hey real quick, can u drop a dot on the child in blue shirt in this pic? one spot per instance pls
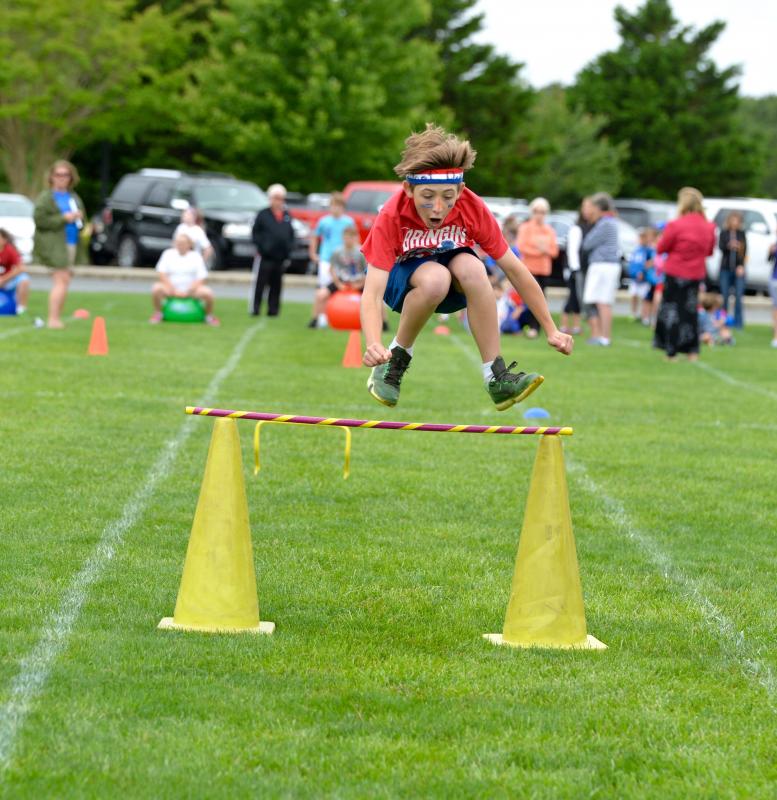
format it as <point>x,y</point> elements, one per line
<point>642,273</point>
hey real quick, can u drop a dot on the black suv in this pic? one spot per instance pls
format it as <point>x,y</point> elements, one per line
<point>145,207</point>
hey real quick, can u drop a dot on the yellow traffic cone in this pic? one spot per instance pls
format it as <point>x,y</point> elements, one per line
<point>546,599</point>
<point>218,587</point>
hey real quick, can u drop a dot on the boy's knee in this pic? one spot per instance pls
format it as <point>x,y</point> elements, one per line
<point>435,285</point>
<point>469,271</point>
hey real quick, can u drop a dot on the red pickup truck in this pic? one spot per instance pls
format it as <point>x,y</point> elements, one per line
<point>363,200</point>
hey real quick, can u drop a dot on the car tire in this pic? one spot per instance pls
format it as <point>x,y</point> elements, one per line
<point>128,252</point>
<point>218,260</point>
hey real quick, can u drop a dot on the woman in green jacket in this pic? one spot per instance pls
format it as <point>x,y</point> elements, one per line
<point>59,217</point>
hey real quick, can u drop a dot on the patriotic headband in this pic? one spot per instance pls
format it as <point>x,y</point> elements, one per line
<point>436,176</point>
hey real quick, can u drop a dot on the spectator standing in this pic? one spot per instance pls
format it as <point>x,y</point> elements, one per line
<point>590,314</point>
<point>13,278</point>
<point>575,276</point>
<point>686,241</point>
<point>327,238</point>
<point>733,256</point>
<point>538,247</point>
<point>273,236</point>
<point>59,217</point>
<point>193,225</point>
<point>602,247</point>
<point>773,293</point>
<point>182,273</point>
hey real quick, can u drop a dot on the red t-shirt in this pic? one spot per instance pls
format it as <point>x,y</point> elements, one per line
<point>687,241</point>
<point>9,258</point>
<point>399,233</point>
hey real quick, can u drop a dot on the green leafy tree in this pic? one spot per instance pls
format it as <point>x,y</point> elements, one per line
<point>68,65</point>
<point>568,156</point>
<point>310,92</point>
<point>145,129</point>
<point>663,96</point>
<point>485,93</point>
<point>759,115</point>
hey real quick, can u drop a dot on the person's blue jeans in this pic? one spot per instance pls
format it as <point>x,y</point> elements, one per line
<point>729,281</point>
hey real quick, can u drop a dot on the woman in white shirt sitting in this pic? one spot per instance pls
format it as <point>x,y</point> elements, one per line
<point>182,273</point>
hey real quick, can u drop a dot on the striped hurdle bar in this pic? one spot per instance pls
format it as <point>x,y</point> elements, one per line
<point>373,424</point>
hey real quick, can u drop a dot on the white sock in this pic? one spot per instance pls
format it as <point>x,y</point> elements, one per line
<point>21,309</point>
<point>487,373</point>
<point>395,343</point>
<point>322,321</point>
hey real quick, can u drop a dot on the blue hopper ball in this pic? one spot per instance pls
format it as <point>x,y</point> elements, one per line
<point>536,413</point>
<point>7,302</point>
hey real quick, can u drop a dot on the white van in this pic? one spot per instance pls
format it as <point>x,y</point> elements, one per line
<point>760,224</point>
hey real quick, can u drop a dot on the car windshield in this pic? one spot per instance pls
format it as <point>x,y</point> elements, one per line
<point>368,200</point>
<point>644,217</point>
<point>231,196</point>
<point>559,225</point>
<point>15,207</point>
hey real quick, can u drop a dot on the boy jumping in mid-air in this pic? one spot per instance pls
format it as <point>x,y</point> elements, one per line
<point>420,260</point>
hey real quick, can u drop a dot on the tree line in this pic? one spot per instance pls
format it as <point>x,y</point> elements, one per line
<point>318,92</point>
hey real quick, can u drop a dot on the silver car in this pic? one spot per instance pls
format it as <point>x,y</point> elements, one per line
<point>16,217</point>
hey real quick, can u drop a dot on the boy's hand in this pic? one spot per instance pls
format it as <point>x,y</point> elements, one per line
<point>376,354</point>
<point>562,342</point>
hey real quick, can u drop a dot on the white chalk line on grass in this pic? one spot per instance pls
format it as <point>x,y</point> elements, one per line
<point>720,625</point>
<point>35,668</point>
<point>724,376</point>
<point>716,621</point>
<point>15,331</point>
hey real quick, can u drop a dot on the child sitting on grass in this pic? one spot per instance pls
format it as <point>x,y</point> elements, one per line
<point>347,271</point>
<point>421,259</point>
<point>511,311</point>
<point>712,321</point>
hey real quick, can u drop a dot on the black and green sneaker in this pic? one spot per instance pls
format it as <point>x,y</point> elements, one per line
<point>384,380</point>
<point>507,388</point>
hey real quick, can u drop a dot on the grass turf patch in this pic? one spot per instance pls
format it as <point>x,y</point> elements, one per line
<point>376,682</point>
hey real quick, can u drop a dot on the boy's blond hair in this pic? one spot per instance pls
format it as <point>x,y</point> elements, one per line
<point>434,148</point>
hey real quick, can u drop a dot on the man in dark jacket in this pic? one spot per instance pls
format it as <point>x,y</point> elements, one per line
<point>273,236</point>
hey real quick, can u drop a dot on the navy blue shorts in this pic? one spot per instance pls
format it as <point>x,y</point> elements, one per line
<point>399,281</point>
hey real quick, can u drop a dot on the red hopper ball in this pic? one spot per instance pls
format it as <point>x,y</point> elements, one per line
<point>342,311</point>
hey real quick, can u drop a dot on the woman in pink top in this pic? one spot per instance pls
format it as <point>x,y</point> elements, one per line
<point>538,247</point>
<point>687,241</point>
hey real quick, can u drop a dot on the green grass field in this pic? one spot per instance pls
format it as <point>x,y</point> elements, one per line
<point>377,682</point>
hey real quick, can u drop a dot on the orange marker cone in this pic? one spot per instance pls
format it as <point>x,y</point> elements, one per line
<point>98,344</point>
<point>353,350</point>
